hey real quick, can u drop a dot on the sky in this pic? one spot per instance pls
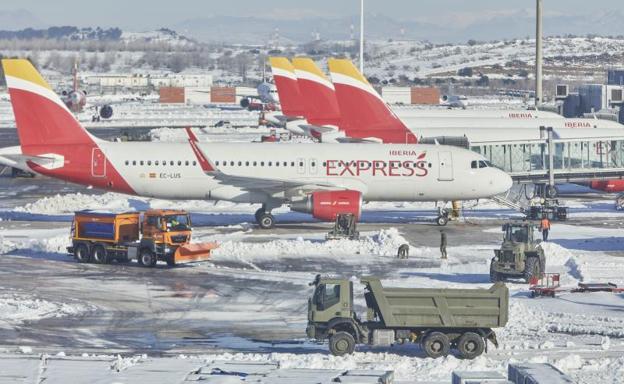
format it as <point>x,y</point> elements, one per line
<point>149,14</point>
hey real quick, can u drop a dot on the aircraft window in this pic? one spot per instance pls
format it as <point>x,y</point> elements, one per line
<point>255,163</point>
<point>240,163</point>
<point>277,163</point>
<point>141,162</point>
<point>127,162</point>
<point>262,163</point>
<point>324,164</point>
<point>156,162</point>
<point>231,163</point>
<point>133,162</point>
<point>194,162</point>
<point>247,163</point>
<point>186,163</point>
<point>474,165</point>
<point>270,163</point>
<point>429,165</point>
<point>292,163</point>
<point>313,164</point>
<point>149,162</point>
<point>285,164</point>
<point>301,163</point>
<point>179,162</point>
<point>171,162</point>
<point>164,163</point>
<point>216,163</point>
<point>483,164</point>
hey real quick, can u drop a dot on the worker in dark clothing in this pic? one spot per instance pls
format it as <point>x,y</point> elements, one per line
<point>545,227</point>
<point>443,244</point>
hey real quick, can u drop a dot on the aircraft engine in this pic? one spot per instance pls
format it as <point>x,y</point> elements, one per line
<point>326,205</point>
<point>106,112</point>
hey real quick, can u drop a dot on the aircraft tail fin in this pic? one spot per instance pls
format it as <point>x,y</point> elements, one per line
<point>287,87</point>
<point>318,93</point>
<point>364,113</point>
<point>41,117</point>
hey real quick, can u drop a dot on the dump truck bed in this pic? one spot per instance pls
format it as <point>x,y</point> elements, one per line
<point>451,308</point>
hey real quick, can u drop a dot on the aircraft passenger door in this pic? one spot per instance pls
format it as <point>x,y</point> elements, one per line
<point>301,166</point>
<point>312,163</point>
<point>445,165</point>
<point>98,163</point>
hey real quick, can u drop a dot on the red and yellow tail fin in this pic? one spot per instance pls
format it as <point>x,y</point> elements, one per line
<point>318,93</point>
<point>363,111</point>
<point>40,115</point>
<point>287,87</point>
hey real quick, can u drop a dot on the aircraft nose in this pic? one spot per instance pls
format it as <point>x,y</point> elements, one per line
<point>502,182</point>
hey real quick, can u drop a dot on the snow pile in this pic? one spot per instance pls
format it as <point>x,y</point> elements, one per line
<point>17,308</point>
<point>383,243</point>
<point>75,202</point>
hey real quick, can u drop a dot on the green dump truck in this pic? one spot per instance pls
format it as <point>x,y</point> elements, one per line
<point>438,319</point>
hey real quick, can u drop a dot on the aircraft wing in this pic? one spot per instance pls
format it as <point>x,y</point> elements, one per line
<point>272,186</point>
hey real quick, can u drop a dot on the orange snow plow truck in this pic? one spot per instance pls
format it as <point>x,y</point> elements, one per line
<point>101,237</point>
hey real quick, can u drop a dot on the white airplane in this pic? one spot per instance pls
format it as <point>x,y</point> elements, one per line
<point>321,180</point>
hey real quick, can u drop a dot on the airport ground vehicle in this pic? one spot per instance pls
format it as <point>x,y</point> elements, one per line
<point>345,227</point>
<point>520,255</point>
<point>101,237</point>
<point>438,319</point>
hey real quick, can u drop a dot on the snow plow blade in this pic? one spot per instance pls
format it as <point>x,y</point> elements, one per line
<point>193,252</point>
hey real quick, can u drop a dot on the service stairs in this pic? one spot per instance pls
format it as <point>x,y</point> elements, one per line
<point>516,198</point>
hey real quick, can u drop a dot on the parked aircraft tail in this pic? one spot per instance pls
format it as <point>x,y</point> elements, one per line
<point>363,112</point>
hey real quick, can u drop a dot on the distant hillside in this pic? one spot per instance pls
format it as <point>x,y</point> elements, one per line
<point>63,33</point>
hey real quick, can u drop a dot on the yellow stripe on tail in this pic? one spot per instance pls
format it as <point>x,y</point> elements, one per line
<point>306,64</point>
<point>345,67</point>
<point>24,70</point>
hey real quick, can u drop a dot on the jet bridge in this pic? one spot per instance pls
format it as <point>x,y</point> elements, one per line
<point>555,159</point>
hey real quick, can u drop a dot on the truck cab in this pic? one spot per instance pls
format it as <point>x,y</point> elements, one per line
<point>520,254</point>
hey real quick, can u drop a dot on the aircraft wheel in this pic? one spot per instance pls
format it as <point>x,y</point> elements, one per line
<point>266,221</point>
<point>442,221</point>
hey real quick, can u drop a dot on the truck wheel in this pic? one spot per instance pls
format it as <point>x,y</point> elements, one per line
<point>436,344</point>
<point>171,261</point>
<point>494,276</point>
<point>98,255</point>
<point>470,345</point>
<point>341,343</point>
<point>147,258</point>
<point>531,268</point>
<point>81,253</point>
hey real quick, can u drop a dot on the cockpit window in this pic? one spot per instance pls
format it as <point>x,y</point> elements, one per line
<point>480,164</point>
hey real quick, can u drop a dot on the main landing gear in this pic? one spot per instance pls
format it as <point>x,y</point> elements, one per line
<point>265,219</point>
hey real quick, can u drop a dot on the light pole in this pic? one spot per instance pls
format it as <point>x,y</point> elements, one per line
<point>362,37</point>
<point>538,55</point>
